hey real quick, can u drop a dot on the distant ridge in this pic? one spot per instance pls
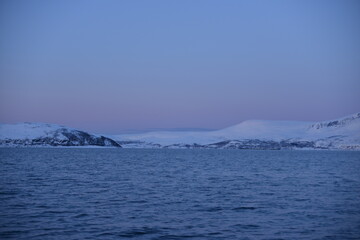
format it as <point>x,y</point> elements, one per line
<point>342,134</point>
<point>338,122</point>
<point>49,135</point>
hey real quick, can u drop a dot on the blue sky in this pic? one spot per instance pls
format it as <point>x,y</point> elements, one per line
<point>107,66</point>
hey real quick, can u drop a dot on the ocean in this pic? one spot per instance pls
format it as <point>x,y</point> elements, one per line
<point>80,193</point>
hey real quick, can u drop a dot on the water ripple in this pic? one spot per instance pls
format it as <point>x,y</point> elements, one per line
<point>178,194</point>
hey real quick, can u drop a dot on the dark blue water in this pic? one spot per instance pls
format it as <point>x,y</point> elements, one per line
<point>178,194</point>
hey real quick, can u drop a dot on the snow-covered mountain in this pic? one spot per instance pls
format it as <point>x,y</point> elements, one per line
<point>343,133</point>
<point>43,134</point>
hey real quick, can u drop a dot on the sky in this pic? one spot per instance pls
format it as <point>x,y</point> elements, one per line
<point>109,66</point>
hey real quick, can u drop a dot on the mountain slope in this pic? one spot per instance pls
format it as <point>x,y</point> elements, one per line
<point>41,134</point>
<point>343,133</point>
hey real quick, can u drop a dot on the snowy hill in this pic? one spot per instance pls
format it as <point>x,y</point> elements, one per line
<point>341,133</point>
<point>42,134</point>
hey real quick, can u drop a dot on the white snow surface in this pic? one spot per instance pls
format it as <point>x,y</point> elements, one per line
<point>340,133</point>
<point>48,135</point>
<point>28,130</point>
<point>348,128</point>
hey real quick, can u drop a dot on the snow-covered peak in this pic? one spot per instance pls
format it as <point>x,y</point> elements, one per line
<point>262,129</point>
<point>44,134</point>
<point>28,130</point>
<point>341,133</point>
<point>338,123</point>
